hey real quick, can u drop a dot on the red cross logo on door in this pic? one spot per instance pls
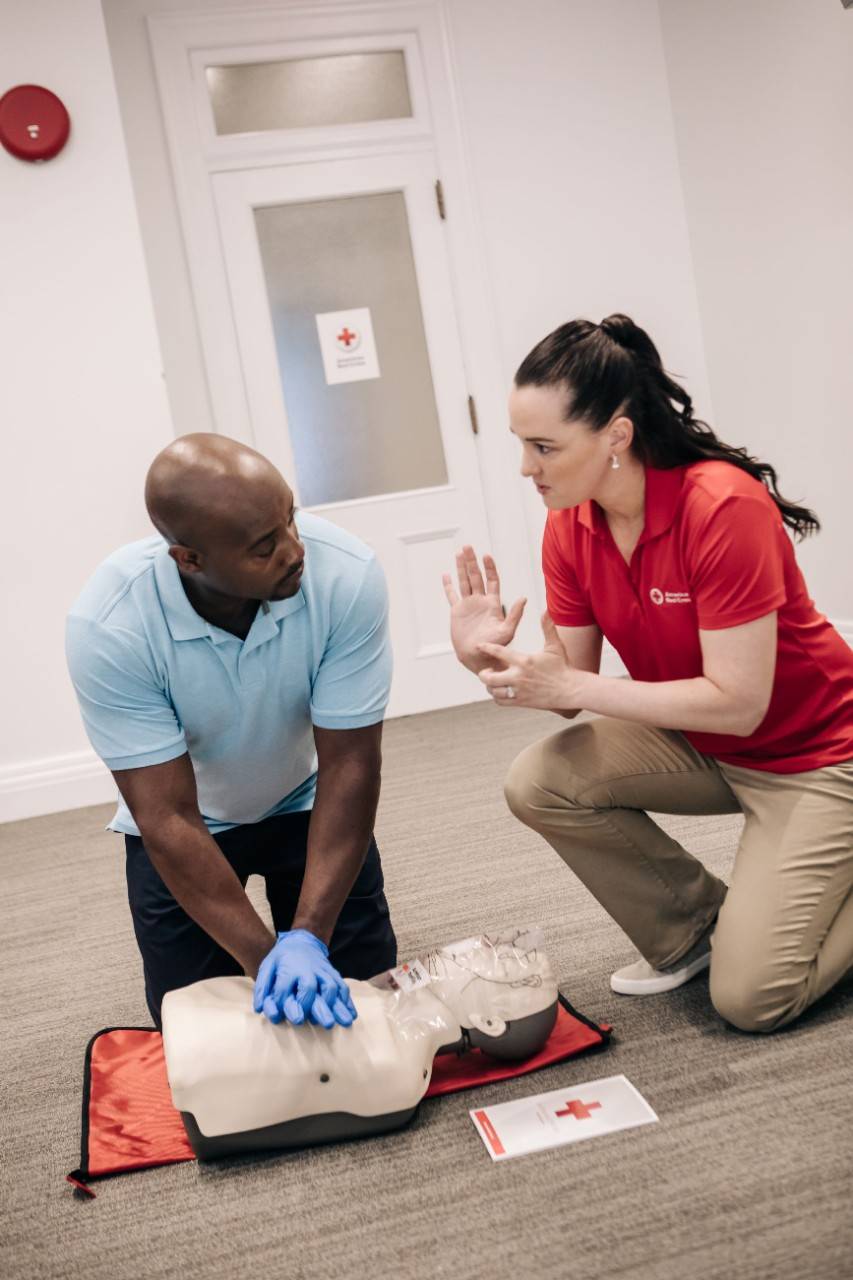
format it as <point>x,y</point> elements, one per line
<point>346,338</point>
<point>580,1110</point>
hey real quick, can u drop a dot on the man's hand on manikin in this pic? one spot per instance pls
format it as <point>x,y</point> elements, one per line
<point>477,616</point>
<point>296,983</point>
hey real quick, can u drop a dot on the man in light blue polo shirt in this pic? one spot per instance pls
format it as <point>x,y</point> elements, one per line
<point>233,674</point>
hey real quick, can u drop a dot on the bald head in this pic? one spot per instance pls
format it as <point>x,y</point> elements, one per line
<point>230,520</point>
<point>203,487</point>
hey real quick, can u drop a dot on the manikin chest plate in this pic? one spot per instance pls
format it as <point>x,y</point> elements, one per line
<point>234,1070</point>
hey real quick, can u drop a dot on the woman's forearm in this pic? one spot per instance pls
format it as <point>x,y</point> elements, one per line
<point>696,704</point>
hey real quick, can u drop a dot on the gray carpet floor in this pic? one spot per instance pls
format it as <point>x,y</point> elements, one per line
<point>747,1175</point>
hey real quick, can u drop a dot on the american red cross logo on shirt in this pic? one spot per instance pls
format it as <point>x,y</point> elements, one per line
<point>580,1110</point>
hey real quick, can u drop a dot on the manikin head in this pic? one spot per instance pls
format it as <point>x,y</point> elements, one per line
<point>228,516</point>
<point>500,990</point>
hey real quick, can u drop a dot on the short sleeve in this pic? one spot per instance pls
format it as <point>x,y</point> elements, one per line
<point>353,683</point>
<point>129,719</point>
<point>736,562</point>
<point>568,603</point>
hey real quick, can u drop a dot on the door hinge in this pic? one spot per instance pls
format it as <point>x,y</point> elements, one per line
<point>439,199</point>
<point>472,414</point>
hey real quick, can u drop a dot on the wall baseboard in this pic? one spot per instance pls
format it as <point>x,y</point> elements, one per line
<point>73,781</point>
<point>54,784</point>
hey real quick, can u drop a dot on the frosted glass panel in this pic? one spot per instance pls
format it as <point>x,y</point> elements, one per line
<point>304,93</point>
<point>352,439</point>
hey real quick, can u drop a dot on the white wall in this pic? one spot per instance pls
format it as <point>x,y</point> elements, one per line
<point>566,113</point>
<point>83,403</point>
<point>762,92</point>
<point>180,342</point>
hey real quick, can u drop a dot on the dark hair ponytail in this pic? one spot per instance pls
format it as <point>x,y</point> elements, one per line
<point>615,367</point>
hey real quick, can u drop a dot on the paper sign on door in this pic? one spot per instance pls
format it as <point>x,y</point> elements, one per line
<point>347,345</point>
<point>565,1115</point>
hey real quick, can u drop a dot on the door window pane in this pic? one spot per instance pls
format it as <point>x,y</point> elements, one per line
<point>352,439</point>
<point>303,93</point>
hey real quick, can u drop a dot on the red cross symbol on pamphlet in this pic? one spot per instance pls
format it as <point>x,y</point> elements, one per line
<point>580,1110</point>
<point>345,337</point>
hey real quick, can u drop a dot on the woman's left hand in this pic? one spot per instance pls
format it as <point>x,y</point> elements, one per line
<point>546,680</point>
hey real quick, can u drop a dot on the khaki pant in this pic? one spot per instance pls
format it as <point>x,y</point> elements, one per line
<point>785,930</point>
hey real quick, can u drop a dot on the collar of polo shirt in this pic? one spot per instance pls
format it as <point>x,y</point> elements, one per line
<point>663,494</point>
<point>185,624</point>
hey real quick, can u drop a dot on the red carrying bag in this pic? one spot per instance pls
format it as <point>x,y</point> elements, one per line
<point>129,1121</point>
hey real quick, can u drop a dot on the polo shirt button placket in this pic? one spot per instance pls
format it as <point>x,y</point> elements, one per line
<point>244,665</point>
<point>634,575</point>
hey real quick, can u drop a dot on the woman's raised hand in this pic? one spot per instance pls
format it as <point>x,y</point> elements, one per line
<point>476,613</point>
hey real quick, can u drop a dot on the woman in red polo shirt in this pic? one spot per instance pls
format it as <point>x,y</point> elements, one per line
<point>675,547</point>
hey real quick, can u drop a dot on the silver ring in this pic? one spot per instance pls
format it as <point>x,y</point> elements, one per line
<point>510,692</point>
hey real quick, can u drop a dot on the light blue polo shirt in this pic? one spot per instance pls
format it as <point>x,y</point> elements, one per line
<point>155,680</point>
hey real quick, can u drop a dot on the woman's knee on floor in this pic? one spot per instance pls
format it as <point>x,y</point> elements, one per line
<point>753,999</point>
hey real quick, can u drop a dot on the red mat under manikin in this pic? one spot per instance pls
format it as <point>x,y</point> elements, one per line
<point>129,1122</point>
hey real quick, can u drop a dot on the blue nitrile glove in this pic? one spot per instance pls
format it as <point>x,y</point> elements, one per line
<point>296,981</point>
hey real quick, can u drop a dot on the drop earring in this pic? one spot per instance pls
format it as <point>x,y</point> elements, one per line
<point>614,462</point>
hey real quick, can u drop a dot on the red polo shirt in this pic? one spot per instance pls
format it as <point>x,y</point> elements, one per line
<point>713,553</point>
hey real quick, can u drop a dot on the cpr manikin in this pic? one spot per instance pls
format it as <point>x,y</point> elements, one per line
<point>243,1084</point>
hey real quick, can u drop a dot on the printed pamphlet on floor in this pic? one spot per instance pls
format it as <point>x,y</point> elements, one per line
<point>564,1115</point>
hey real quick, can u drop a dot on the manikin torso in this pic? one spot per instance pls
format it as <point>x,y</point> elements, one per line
<point>244,1084</point>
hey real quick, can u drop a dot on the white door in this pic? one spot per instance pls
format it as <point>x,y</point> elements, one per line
<point>385,447</point>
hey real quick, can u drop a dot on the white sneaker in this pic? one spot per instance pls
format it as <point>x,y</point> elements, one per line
<point>640,979</point>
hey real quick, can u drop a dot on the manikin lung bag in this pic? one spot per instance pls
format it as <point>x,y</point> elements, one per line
<point>243,1084</point>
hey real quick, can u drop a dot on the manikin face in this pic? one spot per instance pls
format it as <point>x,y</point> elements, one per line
<point>487,982</point>
<point>252,551</point>
<point>567,461</point>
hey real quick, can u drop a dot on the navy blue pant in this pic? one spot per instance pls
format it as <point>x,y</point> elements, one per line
<point>176,951</point>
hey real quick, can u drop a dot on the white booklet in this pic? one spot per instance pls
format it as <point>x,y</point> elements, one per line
<point>565,1115</point>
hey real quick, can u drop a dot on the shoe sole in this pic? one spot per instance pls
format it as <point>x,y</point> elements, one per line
<point>665,981</point>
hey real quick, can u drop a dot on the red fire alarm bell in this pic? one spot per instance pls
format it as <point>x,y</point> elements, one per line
<point>34,124</point>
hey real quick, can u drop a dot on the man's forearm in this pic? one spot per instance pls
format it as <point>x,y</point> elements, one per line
<point>340,832</point>
<point>199,877</point>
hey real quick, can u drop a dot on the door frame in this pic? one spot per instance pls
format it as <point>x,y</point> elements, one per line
<point>181,43</point>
